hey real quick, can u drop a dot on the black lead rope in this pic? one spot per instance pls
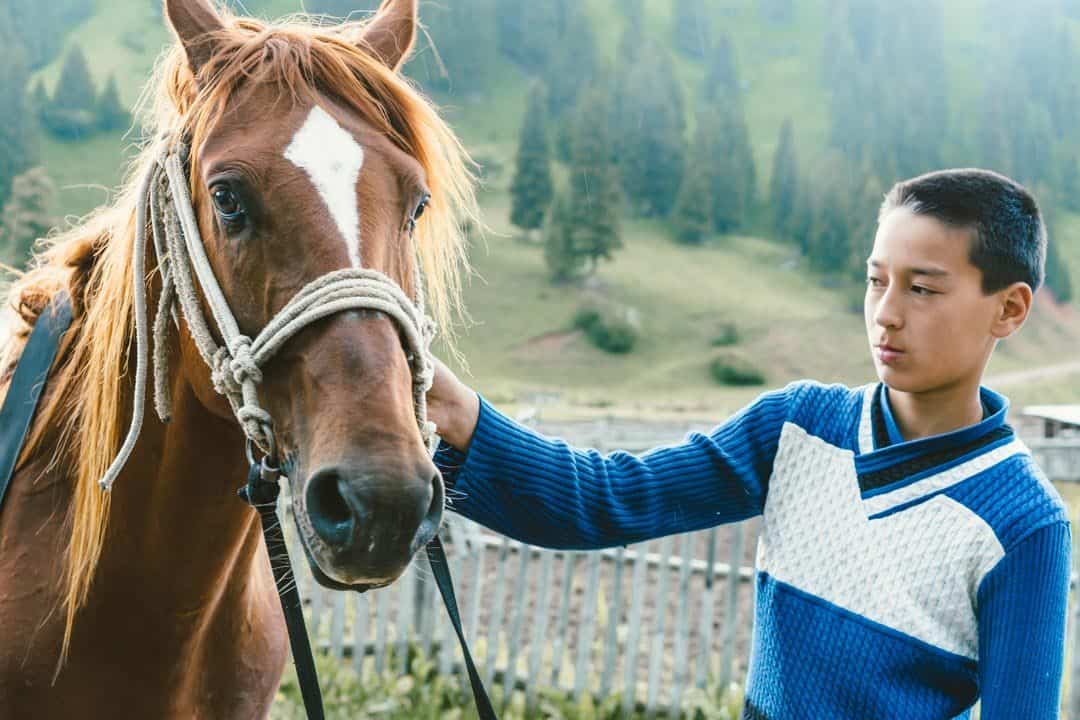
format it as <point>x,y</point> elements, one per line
<point>261,492</point>
<point>441,569</point>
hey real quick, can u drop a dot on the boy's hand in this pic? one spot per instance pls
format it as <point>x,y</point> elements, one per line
<point>453,406</point>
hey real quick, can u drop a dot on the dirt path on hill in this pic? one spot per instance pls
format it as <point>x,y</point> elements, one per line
<point>1018,377</point>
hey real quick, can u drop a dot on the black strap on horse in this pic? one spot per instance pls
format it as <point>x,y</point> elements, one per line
<point>23,393</point>
<point>261,492</point>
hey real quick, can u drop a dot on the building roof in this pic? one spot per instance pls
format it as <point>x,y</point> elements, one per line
<point>1068,414</point>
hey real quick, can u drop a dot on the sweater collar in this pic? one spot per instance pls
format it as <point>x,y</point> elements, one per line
<point>877,451</point>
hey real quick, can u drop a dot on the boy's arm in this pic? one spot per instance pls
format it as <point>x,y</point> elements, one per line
<point>1022,610</point>
<point>544,492</point>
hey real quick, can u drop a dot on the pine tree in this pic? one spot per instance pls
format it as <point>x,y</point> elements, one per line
<point>25,216</point>
<point>18,135</point>
<point>1070,181</point>
<point>72,111</point>
<point>866,194</point>
<point>734,173</point>
<point>111,113</point>
<point>692,217</point>
<point>595,197</point>
<point>39,100</point>
<point>465,52</point>
<point>42,26</point>
<point>1058,278</point>
<point>784,182</point>
<point>777,12</point>
<point>690,28</point>
<point>828,238</point>
<point>650,127</point>
<point>563,261</point>
<point>531,189</point>
<point>721,72</point>
<point>528,32</point>
<point>570,68</point>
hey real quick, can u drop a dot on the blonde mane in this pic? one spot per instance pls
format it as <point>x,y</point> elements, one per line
<point>93,261</point>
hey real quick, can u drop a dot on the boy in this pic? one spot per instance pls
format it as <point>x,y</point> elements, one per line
<point>913,558</point>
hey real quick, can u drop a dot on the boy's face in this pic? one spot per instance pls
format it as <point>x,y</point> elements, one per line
<point>929,324</point>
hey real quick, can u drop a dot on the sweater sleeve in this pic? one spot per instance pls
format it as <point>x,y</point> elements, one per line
<point>1022,610</point>
<point>542,491</point>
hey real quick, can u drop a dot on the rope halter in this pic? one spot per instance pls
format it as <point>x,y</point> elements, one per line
<point>236,366</point>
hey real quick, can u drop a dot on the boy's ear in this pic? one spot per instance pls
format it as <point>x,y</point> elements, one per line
<point>1013,308</point>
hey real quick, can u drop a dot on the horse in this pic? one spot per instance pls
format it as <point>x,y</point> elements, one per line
<point>306,154</point>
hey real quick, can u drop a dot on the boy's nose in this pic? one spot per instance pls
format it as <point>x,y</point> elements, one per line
<point>886,314</point>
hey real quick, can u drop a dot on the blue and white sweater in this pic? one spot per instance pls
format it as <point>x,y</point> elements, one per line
<point>894,579</point>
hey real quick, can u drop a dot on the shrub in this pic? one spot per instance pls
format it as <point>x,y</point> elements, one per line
<point>730,369</point>
<point>586,317</point>
<point>728,335</point>
<point>611,329</point>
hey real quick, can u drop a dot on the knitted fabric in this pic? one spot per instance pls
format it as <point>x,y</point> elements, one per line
<point>894,579</point>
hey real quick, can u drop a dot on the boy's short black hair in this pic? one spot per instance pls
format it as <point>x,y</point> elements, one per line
<point>1009,237</point>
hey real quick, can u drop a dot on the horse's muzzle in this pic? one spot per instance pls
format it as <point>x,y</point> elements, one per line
<point>370,525</point>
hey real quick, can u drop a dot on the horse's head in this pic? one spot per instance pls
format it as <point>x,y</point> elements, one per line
<point>308,156</point>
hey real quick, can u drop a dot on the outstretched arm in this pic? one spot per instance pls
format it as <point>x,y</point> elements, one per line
<point>544,492</point>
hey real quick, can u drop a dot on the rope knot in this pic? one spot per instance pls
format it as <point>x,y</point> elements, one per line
<point>220,374</point>
<point>242,365</point>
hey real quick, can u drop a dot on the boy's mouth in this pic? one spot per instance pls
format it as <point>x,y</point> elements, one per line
<point>888,354</point>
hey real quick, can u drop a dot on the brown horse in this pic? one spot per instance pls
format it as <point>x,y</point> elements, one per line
<point>309,153</point>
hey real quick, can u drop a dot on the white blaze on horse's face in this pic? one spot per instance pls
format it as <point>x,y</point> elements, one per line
<point>332,159</point>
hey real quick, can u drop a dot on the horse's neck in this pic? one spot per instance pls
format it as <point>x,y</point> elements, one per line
<point>176,522</point>
<point>182,618</point>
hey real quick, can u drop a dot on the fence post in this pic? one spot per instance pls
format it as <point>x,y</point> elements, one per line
<point>728,656</point>
<point>656,651</point>
<point>682,623</point>
<point>520,605</point>
<point>633,631</point>
<point>585,628</point>
<point>539,635</point>
<point>708,605</point>
<point>611,642</point>
<point>497,601</point>
<point>569,564</point>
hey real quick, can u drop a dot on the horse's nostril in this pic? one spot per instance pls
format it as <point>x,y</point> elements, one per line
<point>438,499</point>
<point>429,526</point>
<point>330,515</point>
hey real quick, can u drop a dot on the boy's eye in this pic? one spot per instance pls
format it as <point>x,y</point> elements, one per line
<point>920,290</point>
<point>873,281</point>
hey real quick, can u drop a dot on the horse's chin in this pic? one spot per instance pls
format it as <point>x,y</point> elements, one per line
<point>334,579</point>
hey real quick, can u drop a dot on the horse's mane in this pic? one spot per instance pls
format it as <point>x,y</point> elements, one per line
<point>93,261</point>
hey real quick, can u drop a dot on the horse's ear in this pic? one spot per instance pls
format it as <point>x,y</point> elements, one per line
<point>390,35</point>
<point>194,22</point>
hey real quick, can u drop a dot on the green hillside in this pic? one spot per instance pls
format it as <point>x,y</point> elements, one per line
<point>790,323</point>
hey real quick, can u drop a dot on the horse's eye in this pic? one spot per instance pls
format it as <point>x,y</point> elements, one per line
<point>227,203</point>
<point>421,207</point>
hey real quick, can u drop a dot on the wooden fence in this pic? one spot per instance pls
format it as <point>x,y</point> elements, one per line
<point>649,623</point>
